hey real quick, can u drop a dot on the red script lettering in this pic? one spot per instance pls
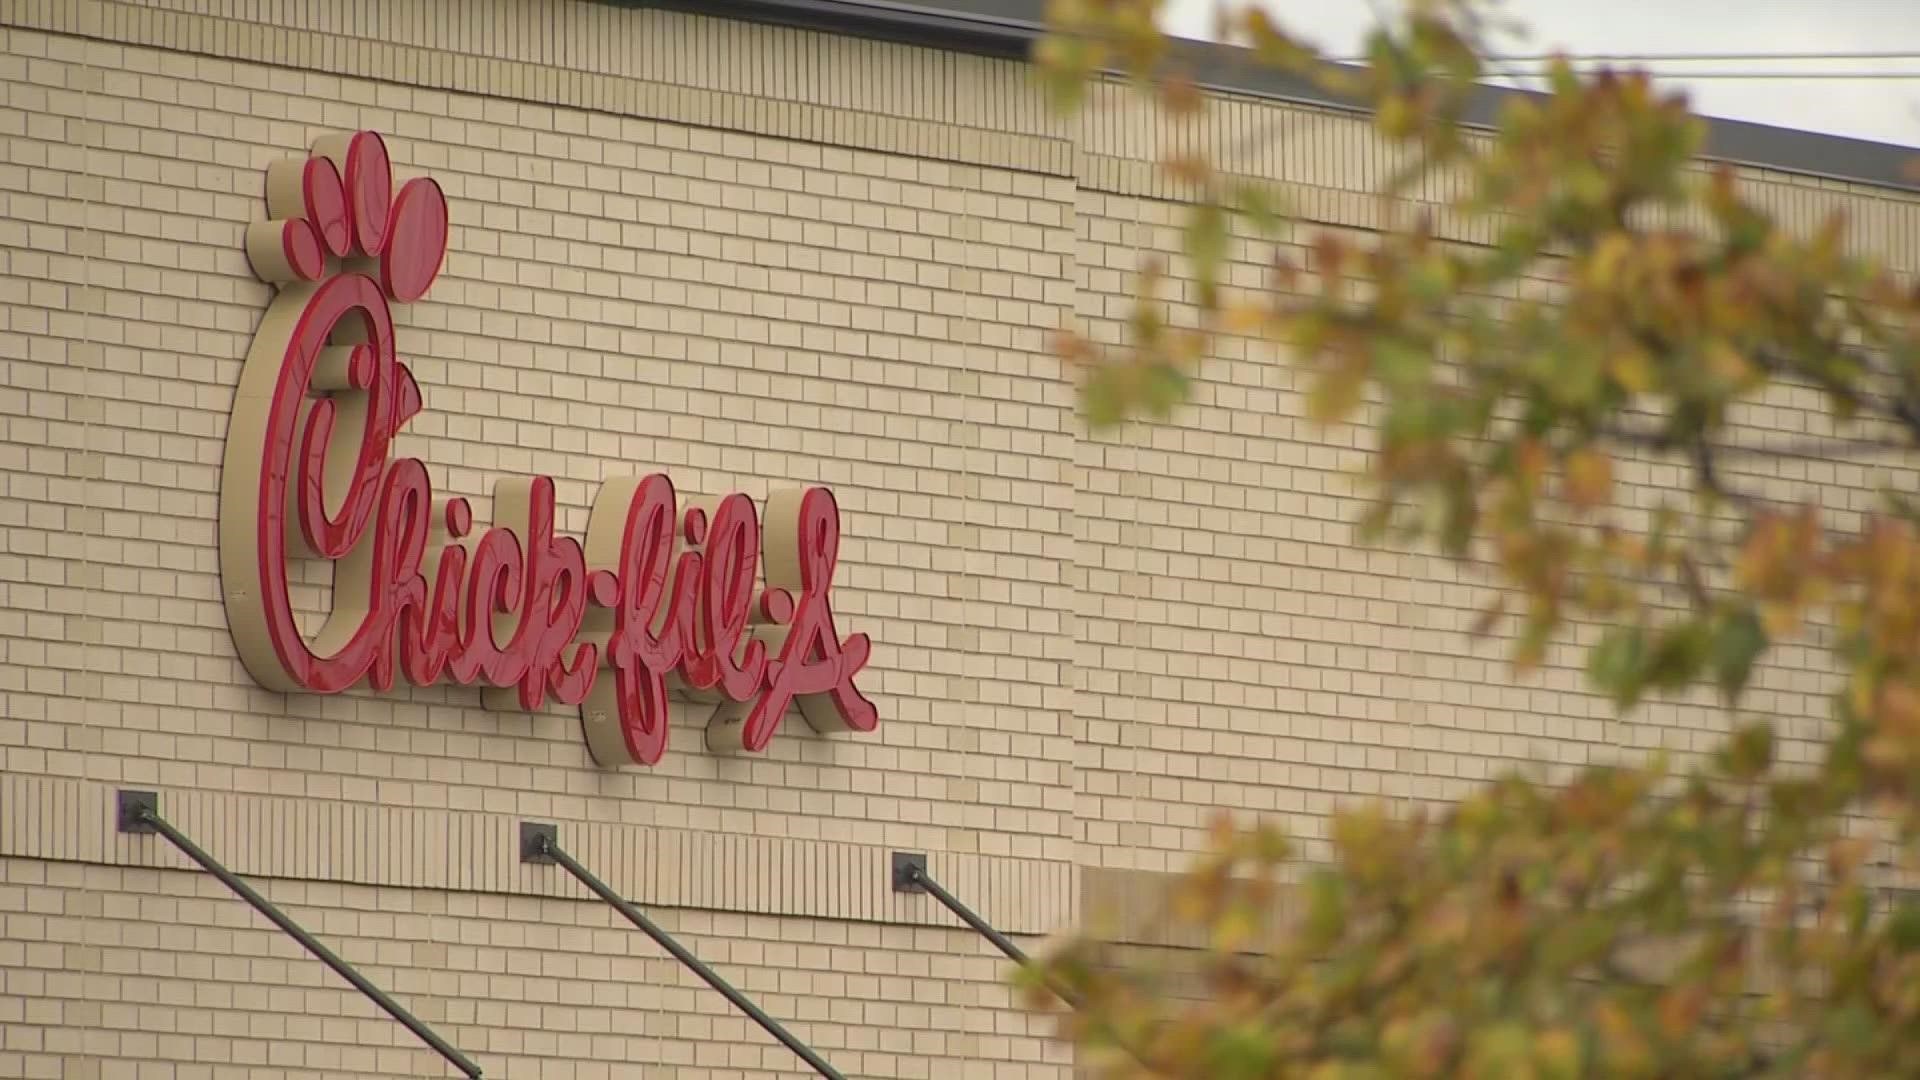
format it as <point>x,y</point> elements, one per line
<point>661,594</point>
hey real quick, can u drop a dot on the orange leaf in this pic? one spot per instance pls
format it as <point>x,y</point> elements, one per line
<point>1181,96</point>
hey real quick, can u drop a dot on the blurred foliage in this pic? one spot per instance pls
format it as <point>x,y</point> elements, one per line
<point>1638,920</point>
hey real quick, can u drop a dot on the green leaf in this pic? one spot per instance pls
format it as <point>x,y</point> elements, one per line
<point>1678,653</point>
<point>1260,203</point>
<point>1738,643</point>
<point>1500,1049</point>
<point>1164,386</point>
<point>1404,368</point>
<point>1616,665</point>
<point>1749,752</point>
<point>1243,1051</point>
<point>1105,398</point>
<point>1206,240</point>
<point>1326,907</point>
<point>1852,1027</point>
<point>1903,927</point>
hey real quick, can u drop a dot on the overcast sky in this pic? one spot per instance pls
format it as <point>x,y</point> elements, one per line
<point>1885,110</point>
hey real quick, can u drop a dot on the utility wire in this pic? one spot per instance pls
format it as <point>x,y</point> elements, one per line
<point>1750,76</point>
<point>1586,67</point>
<point>1699,58</point>
<point>1531,66</point>
<point>1676,57</point>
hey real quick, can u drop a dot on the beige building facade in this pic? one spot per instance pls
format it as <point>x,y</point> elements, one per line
<point>781,250</point>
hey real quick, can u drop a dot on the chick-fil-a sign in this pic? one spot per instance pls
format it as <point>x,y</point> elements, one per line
<point>660,597</point>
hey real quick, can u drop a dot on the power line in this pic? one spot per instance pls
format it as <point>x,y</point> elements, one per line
<point>1585,63</point>
<point>1702,58</point>
<point>1675,57</point>
<point>1751,76</point>
<point>1532,66</point>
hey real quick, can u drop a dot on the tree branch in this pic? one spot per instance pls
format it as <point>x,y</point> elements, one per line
<point>1706,470</point>
<point>1812,447</point>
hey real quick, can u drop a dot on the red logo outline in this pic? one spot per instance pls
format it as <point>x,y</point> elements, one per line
<point>658,601</point>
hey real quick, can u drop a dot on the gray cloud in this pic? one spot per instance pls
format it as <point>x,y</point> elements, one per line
<point>1884,110</point>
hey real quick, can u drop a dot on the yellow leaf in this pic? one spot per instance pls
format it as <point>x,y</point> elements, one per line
<point>1530,455</point>
<point>1862,688</point>
<point>1727,363</point>
<point>1623,1047</point>
<point>1192,902</point>
<point>1609,255</point>
<point>1234,928</point>
<point>1335,395</point>
<point>1558,1053</point>
<point>1633,370</point>
<point>1780,620</point>
<point>1589,478</point>
<point>1245,317</point>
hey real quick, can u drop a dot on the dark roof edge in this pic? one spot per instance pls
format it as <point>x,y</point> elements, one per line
<point>1006,28</point>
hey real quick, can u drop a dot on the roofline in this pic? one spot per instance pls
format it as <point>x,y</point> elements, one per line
<point>1005,28</point>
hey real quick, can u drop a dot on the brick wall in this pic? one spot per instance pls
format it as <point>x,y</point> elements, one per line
<point>748,257</point>
<point>1241,649</point>
<point>115,971</point>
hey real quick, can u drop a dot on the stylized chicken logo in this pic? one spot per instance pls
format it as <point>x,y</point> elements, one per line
<point>663,597</point>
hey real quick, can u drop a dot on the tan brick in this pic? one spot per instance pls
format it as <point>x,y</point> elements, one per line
<point>1083,644</point>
